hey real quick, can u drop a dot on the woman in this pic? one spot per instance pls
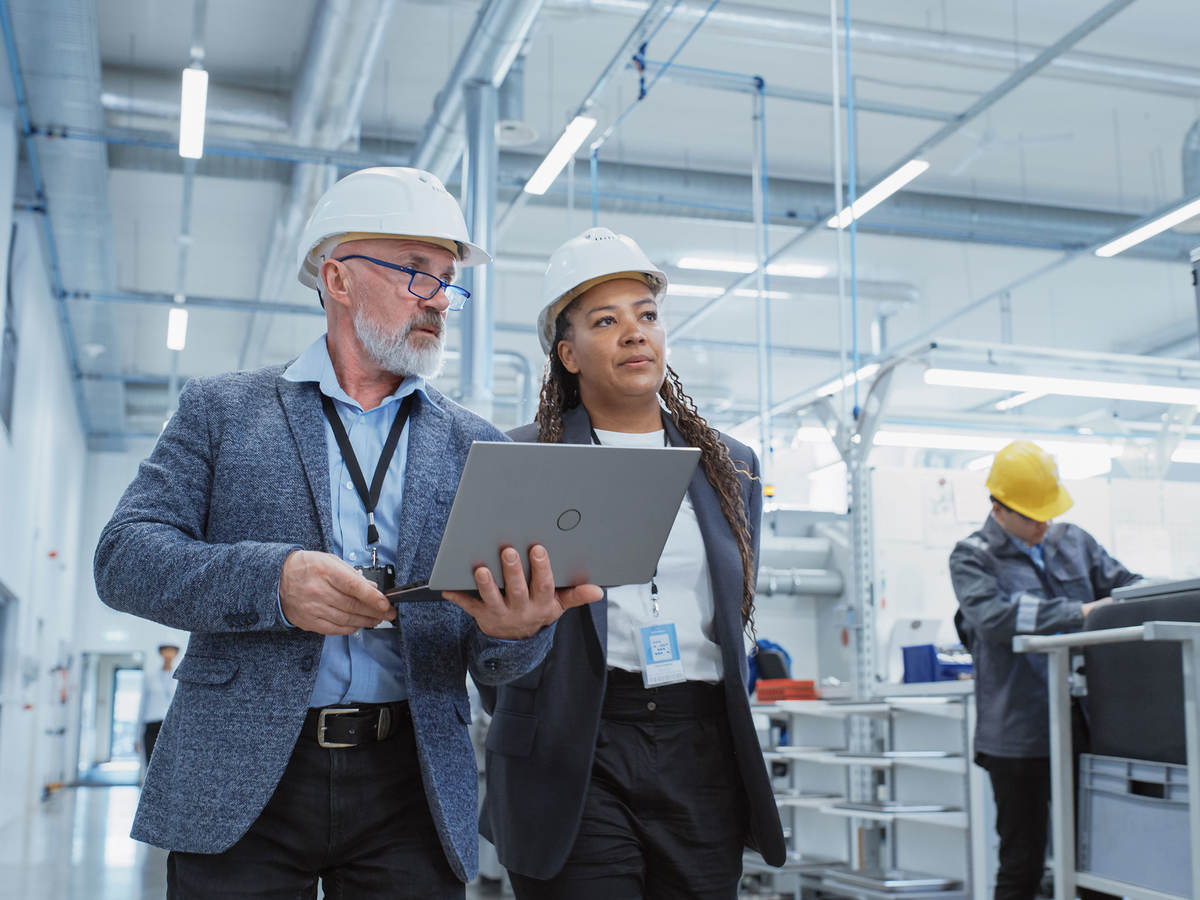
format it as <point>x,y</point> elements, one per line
<point>597,785</point>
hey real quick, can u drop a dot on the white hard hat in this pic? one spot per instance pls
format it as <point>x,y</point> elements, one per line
<point>596,256</point>
<point>384,202</point>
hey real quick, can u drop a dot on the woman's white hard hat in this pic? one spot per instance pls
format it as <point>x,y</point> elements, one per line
<point>386,201</point>
<point>594,257</point>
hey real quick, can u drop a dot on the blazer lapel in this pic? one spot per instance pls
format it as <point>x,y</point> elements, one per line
<point>577,429</point>
<point>428,481</point>
<point>302,408</point>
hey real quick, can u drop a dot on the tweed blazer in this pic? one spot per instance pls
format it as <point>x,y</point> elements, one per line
<point>542,738</point>
<point>237,481</point>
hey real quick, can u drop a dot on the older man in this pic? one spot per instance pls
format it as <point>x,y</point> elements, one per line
<point>302,744</point>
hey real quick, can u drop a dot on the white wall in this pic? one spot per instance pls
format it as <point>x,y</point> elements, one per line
<point>41,496</point>
<point>101,629</point>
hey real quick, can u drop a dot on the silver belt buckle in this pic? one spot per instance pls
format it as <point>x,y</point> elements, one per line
<point>321,726</point>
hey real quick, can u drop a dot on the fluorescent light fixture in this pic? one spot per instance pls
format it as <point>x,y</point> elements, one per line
<point>832,387</point>
<point>193,101</point>
<point>1187,452</point>
<point>1070,387</point>
<point>709,291</point>
<point>1019,400</point>
<point>1177,216</point>
<point>560,154</point>
<point>1076,459</point>
<point>746,266</point>
<point>879,193</point>
<point>177,329</point>
<point>694,290</point>
<point>770,295</point>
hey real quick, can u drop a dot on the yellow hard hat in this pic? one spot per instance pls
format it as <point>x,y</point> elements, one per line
<point>1024,478</point>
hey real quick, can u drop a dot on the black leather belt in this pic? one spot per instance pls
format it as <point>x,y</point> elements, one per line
<point>341,727</point>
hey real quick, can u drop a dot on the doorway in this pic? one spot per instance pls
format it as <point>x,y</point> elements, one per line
<point>109,750</point>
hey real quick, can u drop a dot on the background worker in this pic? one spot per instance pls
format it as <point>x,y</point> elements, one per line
<point>1022,574</point>
<point>158,687</point>
<point>301,745</point>
<point>610,776</point>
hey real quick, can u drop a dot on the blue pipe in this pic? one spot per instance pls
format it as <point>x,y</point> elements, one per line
<point>643,91</point>
<point>595,167</point>
<point>851,141</point>
<point>39,186</point>
<point>761,86</point>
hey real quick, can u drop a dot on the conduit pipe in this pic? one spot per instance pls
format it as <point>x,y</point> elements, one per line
<point>500,29</point>
<point>799,582</point>
<point>921,44</point>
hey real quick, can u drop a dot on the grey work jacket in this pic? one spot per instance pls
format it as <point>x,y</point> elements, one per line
<point>1001,593</point>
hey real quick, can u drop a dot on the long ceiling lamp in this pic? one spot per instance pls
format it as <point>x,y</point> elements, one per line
<point>879,193</point>
<point>1070,387</point>
<point>560,154</point>
<point>193,103</point>
<point>1168,220</point>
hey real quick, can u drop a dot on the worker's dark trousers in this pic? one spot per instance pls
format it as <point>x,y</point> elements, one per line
<point>1021,787</point>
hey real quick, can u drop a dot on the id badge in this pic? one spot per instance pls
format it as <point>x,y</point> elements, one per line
<point>659,650</point>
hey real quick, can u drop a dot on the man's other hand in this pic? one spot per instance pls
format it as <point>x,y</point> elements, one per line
<point>319,592</point>
<point>524,607</point>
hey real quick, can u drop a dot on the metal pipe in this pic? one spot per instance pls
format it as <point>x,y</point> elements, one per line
<point>736,81</point>
<point>341,52</point>
<point>799,582</point>
<point>39,188</point>
<point>758,179</point>
<point>1191,161</point>
<point>645,26</point>
<point>660,190</point>
<point>775,24</point>
<point>500,29</point>
<point>476,377</point>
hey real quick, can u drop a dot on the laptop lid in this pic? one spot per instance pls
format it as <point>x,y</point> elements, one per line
<point>602,513</point>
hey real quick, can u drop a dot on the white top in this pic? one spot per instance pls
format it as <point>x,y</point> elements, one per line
<point>158,687</point>
<point>685,595</point>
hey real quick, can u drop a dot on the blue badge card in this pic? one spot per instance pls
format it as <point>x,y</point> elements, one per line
<point>661,663</point>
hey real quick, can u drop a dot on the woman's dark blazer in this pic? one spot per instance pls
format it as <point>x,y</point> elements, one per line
<point>544,724</point>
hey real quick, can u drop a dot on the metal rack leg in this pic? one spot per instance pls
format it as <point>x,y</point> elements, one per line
<point>1190,650</point>
<point>1062,776</point>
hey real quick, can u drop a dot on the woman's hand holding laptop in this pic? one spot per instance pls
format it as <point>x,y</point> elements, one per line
<point>525,607</point>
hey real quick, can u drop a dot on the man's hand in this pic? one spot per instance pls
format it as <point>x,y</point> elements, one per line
<point>1088,607</point>
<point>319,592</point>
<point>523,608</point>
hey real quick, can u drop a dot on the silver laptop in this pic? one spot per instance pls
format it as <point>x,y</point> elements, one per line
<point>602,513</point>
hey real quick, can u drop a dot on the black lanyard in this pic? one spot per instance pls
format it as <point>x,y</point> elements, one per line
<point>654,577</point>
<point>369,499</point>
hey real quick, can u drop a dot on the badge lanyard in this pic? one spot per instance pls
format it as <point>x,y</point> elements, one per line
<point>370,497</point>
<point>656,640</point>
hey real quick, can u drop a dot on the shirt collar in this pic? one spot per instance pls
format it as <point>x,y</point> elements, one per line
<point>314,365</point>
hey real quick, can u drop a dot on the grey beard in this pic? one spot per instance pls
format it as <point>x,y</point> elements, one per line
<point>393,352</point>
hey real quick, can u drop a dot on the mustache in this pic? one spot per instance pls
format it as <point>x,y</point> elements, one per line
<point>426,319</point>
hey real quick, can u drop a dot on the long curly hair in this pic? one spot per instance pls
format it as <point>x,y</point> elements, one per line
<point>560,394</point>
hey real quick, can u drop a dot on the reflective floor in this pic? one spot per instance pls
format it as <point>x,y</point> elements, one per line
<point>77,847</point>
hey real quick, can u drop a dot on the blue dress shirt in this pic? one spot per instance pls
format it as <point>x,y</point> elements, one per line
<point>1035,553</point>
<point>365,667</point>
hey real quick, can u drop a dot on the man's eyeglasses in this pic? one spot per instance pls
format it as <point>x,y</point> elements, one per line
<point>420,284</point>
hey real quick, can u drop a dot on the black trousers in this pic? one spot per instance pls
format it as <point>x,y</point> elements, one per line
<point>355,818</point>
<point>1021,787</point>
<point>666,814</point>
<point>149,736</point>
